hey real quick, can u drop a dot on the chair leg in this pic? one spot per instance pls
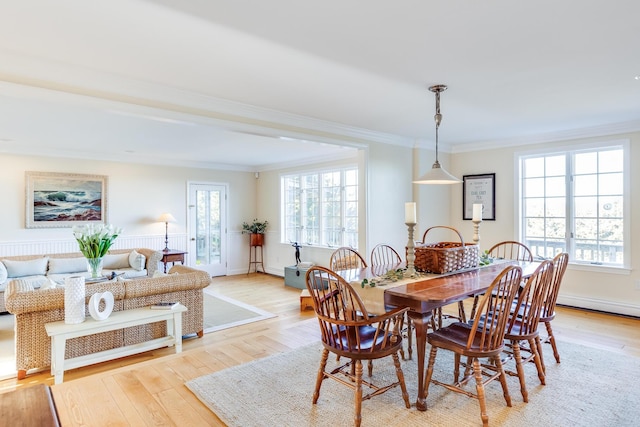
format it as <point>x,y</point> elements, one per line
<point>503,380</point>
<point>432,360</point>
<point>552,340</point>
<point>541,355</point>
<point>321,376</point>
<point>400,375</point>
<point>370,366</point>
<point>535,346</point>
<point>515,346</point>
<point>461,314</point>
<point>358,397</point>
<point>476,298</point>
<point>409,337</point>
<point>477,370</point>
<point>401,328</point>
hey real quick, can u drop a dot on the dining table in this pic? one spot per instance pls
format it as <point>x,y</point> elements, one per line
<point>423,294</point>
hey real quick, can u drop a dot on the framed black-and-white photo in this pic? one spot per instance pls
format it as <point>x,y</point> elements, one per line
<point>63,200</point>
<point>479,189</point>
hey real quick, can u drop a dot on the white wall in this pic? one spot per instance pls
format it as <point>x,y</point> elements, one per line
<point>582,287</point>
<point>137,195</point>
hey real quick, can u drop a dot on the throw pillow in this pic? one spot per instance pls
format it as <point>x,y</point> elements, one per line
<point>67,265</point>
<point>137,260</point>
<point>34,267</point>
<point>3,273</point>
<point>115,261</point>
<point>158,273</point>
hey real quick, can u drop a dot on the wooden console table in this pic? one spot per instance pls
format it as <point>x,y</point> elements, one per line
<point>172,256</point>
<point>60,332</point>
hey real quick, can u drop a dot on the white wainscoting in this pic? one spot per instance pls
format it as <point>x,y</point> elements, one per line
<point>37,247</point>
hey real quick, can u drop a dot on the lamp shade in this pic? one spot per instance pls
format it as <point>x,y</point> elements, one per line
<point>166,217</point>
<point>437,175</point>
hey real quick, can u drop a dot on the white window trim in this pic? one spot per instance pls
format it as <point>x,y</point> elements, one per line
<point>320,170</point>
<point>517,208</point>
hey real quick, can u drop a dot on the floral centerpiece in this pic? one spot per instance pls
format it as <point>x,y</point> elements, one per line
<point>390,276</point>
<point>94,241</point>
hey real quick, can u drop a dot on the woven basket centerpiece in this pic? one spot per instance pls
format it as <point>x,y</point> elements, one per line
<point>444,257</point>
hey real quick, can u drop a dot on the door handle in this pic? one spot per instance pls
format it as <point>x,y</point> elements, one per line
<point>193,239</point>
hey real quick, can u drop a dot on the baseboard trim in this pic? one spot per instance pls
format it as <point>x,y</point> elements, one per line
<point>600,305</point>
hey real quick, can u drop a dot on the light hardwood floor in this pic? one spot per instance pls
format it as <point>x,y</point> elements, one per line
<point>149,389</point>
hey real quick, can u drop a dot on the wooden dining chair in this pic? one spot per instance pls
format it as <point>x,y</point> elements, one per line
<point>479,340</point>
<point>382,255</point>
<point>511,250</point>
<point>345,258</point>
<point>560,263</point>
<point>348,330</point>
<point>523,324</point>
<point>508,249</point>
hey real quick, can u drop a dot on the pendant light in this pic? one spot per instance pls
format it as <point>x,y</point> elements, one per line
<point>437,174</point>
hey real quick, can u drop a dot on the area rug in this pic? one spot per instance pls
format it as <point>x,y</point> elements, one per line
<point>590,387</point>
<point>222,312</point>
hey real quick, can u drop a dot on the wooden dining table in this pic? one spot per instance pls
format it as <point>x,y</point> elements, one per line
<point>426,293</point>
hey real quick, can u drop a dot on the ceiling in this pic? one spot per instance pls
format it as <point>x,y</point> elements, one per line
<point>253,85</point>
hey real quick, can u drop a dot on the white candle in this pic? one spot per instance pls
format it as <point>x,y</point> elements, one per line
<point>410,213</point>
<point>477,211</point>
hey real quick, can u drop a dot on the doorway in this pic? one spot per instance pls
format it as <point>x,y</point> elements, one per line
<point>208,227</point>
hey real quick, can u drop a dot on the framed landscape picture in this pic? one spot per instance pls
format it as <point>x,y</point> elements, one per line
<point>479,189</point>
<point>56,200</point>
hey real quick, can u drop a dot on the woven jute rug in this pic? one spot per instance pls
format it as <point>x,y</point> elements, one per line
<point>590,387</point>
<point>222,312</point>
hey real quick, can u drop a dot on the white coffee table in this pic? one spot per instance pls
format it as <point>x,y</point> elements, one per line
<point>60,332</point>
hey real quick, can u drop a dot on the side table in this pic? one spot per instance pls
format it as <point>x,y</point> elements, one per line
<point>172,256</point>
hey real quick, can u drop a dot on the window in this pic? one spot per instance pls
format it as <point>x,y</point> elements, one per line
<point>321,208</point>
<point>575,201</point>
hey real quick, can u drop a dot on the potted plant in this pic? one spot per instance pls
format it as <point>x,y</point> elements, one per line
<point>256,230</point>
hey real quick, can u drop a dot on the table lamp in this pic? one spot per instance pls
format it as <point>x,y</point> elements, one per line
<point>166,218</point>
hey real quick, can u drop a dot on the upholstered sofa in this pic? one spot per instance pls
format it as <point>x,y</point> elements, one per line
<point>51,270</point>
<point>35,307</point>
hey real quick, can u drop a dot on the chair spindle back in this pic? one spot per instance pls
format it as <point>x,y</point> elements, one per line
<point>493,311</point>
<point>345,258</point>
<point>511,250</point>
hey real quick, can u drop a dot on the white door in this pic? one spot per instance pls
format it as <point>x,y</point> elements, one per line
<point>208,227</point>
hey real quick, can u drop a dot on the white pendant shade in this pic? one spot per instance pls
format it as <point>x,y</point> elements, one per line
<point>437,175</point>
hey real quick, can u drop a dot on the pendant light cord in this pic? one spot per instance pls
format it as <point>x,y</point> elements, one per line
<point>438,120</point>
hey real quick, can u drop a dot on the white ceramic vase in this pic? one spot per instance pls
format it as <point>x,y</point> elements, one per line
<point>94,305</point>
<point>74,297</point>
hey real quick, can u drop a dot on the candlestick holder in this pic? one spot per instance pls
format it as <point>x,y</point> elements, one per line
<point>476,230</point>
<point>411,250</point>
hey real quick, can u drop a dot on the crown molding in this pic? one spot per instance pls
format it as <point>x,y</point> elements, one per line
<point>565,135</point>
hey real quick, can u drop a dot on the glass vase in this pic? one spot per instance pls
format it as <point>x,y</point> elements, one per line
<point>94,267</point>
